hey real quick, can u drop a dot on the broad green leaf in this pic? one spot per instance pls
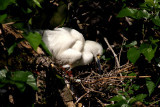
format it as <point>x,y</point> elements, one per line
<point>127,12</point>
<point>20,86</point>
<point>45,48</point>
<point>153,41</point>
<point>142,14</point>
<point>148,51</point>
<point>4,3</point>
<point>152,3</point>
<point>34,38</point>
<point>2,17</point>
<point>133,54</point>
<point>150,86</point>
<point>11,49</point>
<point>141,97</point>
<point>19,76</point>
<point>32,82</point>
<point>19,26</point>
<point>156,20</point>
<point>130,92</point>
<point>3,73</point>
<point>37,3</point>
<point>149,2</point>
<point>133,43</point>
<point>59,17</point>
<point>132,100</point>
<point>118,98</point>
<point>122,103</point>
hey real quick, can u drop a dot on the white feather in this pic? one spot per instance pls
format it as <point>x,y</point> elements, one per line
<point>69,47</point>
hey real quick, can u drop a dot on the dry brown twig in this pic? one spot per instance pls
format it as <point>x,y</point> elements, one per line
<point>81,97</point>
<point>107,78</point>
<point>115,55</point>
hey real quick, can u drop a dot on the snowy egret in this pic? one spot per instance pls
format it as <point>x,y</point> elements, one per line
<point>69,48</point>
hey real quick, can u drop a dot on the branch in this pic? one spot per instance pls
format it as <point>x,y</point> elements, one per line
<point>109,46</point>
<point>107,78</point>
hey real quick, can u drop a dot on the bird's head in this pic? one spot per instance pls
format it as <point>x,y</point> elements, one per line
<point>96,49</point>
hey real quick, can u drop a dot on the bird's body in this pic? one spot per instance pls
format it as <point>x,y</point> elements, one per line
<point>69,47</point>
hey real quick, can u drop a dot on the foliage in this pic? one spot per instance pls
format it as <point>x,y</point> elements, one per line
<point>44,14</point>
<point>149,11</point>
<point>147,49</point>
<point>128,98</point>
<point>34,39</point>
<point>122,101</point>
<point>18,78</point>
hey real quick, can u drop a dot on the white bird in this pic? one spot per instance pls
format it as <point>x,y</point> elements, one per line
<point>69,48</point>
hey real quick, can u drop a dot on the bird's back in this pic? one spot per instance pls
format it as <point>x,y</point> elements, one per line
<point>63,43</point>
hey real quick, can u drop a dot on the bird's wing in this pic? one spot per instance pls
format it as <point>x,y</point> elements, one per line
<point>69,56</point>
<point>79,43</point>
<point>57,40</point>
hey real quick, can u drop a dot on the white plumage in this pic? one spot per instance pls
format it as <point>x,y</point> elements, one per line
<point>69,48</point>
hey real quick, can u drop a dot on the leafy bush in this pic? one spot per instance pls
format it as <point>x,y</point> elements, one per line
<point>18,78</point>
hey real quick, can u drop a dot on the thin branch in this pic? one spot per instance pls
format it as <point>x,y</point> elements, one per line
<point>107,78</point>
<point>123,69</point>
<point>99,101</point>
<point>115,55</point>
<point>81,98</point>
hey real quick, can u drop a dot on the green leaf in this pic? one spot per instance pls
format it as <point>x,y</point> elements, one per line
<point>122,103</point>
<point>150,86</point>
<point>142,14</point>
<point>133,43</point>
<point>156,20</point>
<point>132,74</point>
<point>19,26</point>
<point>20,86</point>
<point>135,87</point>
<point>11,49</point>
<point>141,97</point>
<point>130,92</point>
<point>152,3</point>
<point>132,100</point>
<point>32,82</point>
<point>45,48</point>
<point>4,3</point>
<point>149,2</point>
<point>127,12</point>
<point>19,76</point>
<point>2,17</point>
<point>153,41</point>
<point>3,73</point>
<point>34,39</point>
<point>118,98</point>
<point>133,54</point>
<point>37,3</point>
<point>22,78</point>
<point>148,51</point>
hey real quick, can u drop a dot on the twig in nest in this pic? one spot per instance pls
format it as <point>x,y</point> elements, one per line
<point>124,38</point>
<point>109,46</point>
<point>81,98</point>
<point>107,78</point>
<point>119,71</point>
<point>99,101</point>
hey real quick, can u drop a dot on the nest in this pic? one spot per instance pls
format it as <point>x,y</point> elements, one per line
<point>91,85</point>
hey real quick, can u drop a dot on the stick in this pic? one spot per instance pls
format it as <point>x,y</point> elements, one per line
<point>109,46</point>
<point>106,78</point>
<point>80,98</point>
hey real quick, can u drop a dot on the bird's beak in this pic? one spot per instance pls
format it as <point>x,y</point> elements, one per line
<point>98,62</point>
